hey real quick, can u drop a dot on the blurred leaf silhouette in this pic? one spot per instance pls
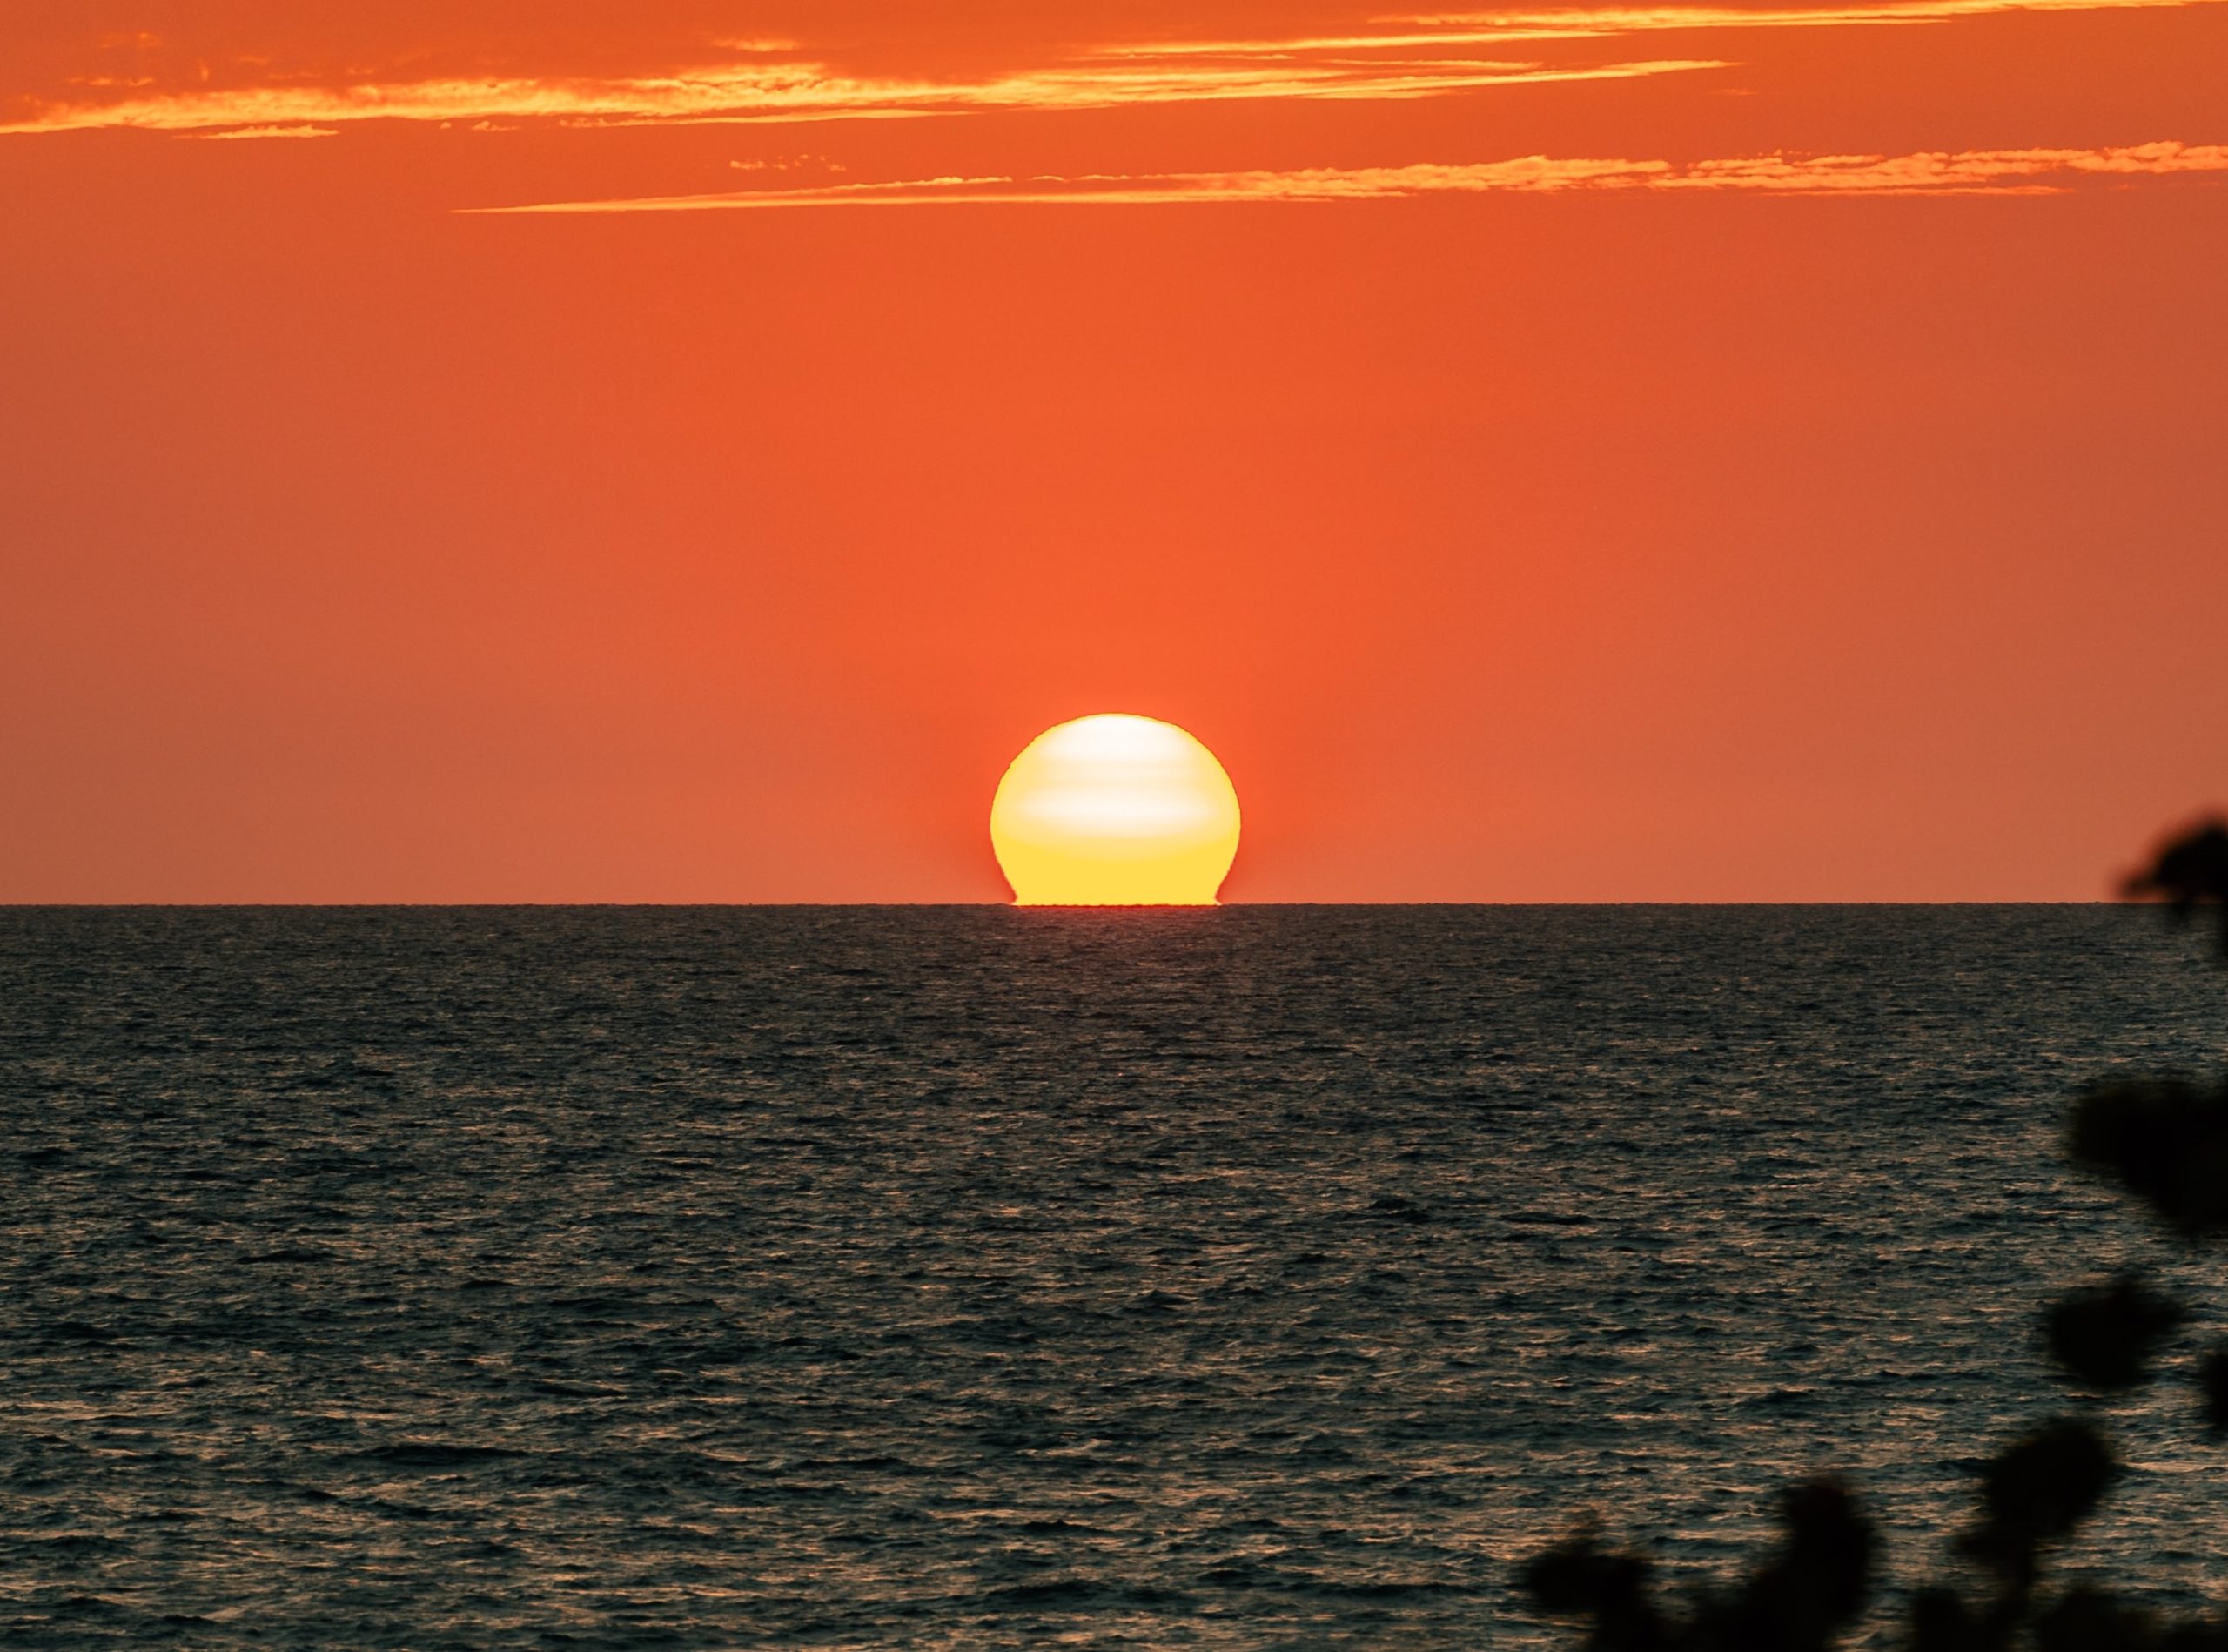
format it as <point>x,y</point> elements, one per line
<point>2104,1336</point>
<point>2190,872</point>
<point>1801,1596</point>
<point>2164,1140</point>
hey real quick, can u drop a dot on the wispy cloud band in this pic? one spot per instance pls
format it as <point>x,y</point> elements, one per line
<point>779,80</point>
<point>271,132</point>
<point>1991,171</point>
<point>759,92</point>
<point>1589,22</point>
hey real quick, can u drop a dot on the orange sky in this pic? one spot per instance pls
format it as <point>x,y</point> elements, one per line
<point>1632,453</point>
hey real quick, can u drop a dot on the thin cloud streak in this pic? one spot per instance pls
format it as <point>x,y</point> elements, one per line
<point>1479,28</point>
<point>1633,20</point>
<point>271,132</point>
<point>759,92</point>
<point>1992,171</point>
<point>1398,58</point>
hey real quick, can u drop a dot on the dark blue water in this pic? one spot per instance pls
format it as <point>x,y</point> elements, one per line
<point>975,1278</point>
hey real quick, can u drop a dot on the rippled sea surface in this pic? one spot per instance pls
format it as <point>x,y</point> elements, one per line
<point>967,1276</point>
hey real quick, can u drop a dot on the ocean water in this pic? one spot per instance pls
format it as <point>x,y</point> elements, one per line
<point>1258,1277</point>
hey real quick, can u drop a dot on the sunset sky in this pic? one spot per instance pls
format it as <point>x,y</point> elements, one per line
<point>517,451</point>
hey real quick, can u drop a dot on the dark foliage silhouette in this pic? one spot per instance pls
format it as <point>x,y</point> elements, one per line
<point>1811,1588</point>
<point>2103,1337</point>
<point>2163,1140</point>
<point>2190,872</point>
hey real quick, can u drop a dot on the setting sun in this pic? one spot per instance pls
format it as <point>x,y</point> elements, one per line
<point>1115,810</point>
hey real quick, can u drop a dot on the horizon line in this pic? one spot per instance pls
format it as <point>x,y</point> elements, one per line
<point>698,906</point>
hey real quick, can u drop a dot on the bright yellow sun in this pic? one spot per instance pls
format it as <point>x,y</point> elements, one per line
<point>1115,810</point>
